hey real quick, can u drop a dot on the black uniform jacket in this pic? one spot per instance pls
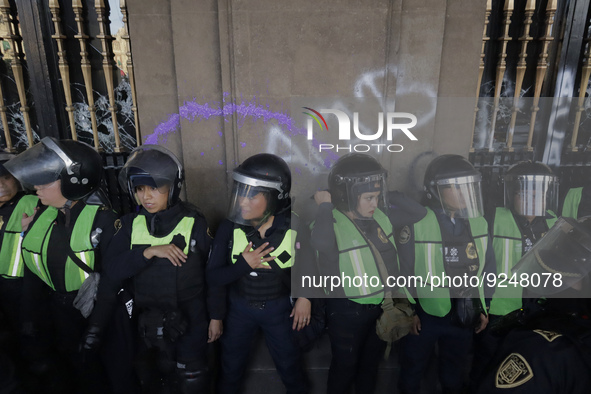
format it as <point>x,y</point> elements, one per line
<point>123,263</point>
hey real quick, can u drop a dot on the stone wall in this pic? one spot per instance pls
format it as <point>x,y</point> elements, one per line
<point>195,57</point>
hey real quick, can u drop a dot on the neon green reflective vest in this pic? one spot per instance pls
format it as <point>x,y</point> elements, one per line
<point>507,244</point>
<point>141,236</point>
<point>11,262</point>
<point>240,242</point>
<point>356,259</point>
<point>36,242</point>
<point>429,261</point>
<point>570,207</point>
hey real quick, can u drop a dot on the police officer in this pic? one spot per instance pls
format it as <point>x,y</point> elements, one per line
<point>63,243</point>
<point>13,204</point>
<point>548,349</point>
<point>163,249</point>
<point>253,254</point>
<point>353,234</point>
<point>452,240</point>
<point>531,191</point>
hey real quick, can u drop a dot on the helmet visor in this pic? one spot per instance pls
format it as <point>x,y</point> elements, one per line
<point>38,165</point>
<point>461,197</point>
<point>251,204</point>
<point>531,195</point>
<point>558,261</point>
<point>365,194</point>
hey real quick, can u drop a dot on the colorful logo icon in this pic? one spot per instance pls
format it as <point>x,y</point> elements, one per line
<point>316,117</point>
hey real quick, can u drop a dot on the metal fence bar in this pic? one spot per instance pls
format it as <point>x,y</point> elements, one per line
<point>130,72</point>
<point>64,68</point>
<point>9,147</point>
<point>501,67</point>
<point>541,69</point>
<point>485,39</point>
<point>107,55</point>
<point>585,74</point>
<point>86,69</point>
<point>530,7</point>
<point>7,137</point>
<point>17,69</point>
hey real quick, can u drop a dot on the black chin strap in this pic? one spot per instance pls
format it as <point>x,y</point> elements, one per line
<point>255,229</point>
<point>264,219</point>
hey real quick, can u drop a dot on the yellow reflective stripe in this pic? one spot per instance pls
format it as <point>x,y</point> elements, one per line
<point>17,258</point>
<point>356,262</point>
<point>429,250</point>
<point>42,274</point>
<point>507,256</point>
<point>83,274</point>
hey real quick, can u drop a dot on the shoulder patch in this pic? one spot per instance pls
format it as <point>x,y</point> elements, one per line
<point>513,372</point>
<point>117,225</point>
<point>471,251</point>
<point>548,335</point>
<point>404,235</point>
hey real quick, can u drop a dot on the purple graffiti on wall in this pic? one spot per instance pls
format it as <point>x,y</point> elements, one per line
<point>192,110</point>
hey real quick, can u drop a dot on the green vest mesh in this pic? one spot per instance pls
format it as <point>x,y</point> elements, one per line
<point>36,242</point>
<point>11,263</point>
<point>429,261</point>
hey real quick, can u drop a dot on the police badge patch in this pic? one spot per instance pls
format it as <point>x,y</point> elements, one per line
<point>382,236</point>
<point>117,225</point>
<point>471,251</point>
<point>548,335</point>
<point>514,371</point>
<point>404,235</point>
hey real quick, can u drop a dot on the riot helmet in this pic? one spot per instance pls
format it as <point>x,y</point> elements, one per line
<point>453,183</point>
<point>155,166</point>
<point>560,260</point>
<point>531,188</point>
<point>76,164</point>
<point>353,175</point>
<point>262,184</point>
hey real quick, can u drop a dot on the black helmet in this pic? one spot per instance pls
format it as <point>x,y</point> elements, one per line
<point>153,165</point>
<point>262,173</point>
<point>76,164</point>
<point>457,173</point>
<point>352,175</point>
<point>531,188</point>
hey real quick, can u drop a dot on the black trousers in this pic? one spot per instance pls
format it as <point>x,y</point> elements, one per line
<point>10,361</point>
<point>454,345</point>
<point>52,352</point>
<point>241,324</point>
<point>159,359</point>
<point>356,348</point>
<point>10,302</point>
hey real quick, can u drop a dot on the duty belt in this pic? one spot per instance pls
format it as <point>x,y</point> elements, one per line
<point>257,304</point>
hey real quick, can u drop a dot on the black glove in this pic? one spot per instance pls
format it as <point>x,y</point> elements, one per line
<point>91,340</point>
